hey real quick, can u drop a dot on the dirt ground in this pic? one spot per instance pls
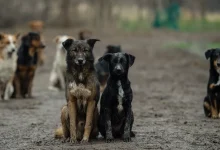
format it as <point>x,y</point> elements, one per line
<point>169,86</point>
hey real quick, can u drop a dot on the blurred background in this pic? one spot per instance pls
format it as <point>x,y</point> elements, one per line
<point>128,15</point>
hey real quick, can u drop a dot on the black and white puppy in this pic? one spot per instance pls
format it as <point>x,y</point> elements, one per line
<point>116,116</point>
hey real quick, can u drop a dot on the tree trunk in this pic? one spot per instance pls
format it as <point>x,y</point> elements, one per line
<point>64,14</point>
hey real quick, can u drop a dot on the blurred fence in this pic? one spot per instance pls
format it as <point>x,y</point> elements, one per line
<point>96,13</point>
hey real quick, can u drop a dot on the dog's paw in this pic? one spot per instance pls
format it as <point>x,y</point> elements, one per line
<point>126,137</point>
<point>73,141</point>
<point>214,116</point>
<point>65,140</point>
<point>109,139</point>
<point>84,140</point>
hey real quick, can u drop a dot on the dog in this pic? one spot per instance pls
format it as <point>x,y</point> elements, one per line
<point>84,34</point>
<point>57,77</point>
<point>27,64</point>
<point>38,26</point>
<point>212,100</point>
<point>116,115</point>
<point>8,59</point>
<point>79,116</point>
<point>102,67</point>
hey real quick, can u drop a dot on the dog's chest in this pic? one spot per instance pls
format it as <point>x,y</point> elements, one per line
<point>120,96</point>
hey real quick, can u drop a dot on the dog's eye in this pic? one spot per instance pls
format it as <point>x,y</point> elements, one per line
<point>75,50</point>
<point>7,42</point>
<point>86,50</point>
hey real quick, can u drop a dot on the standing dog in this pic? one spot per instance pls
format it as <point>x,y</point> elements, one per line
<point>116,116</point>
<point>8,59</point>
<point>27,64</point>
<point>212,100</point>
<point>79,117</point>
<point>57,77</point>
<point>102,66</point>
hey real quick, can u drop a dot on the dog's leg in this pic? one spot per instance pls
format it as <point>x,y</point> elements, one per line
<point>108,125</point>
<point>61,78</point>
<point>30,84</point>
<point>65,123</point>
<point>72,117</point>
<point>8,90</point>
<point>53,81</point>
<point>214,111</point>
<point>89,120</point>
<point>17,87</point>
<point>128,122</point>
<point>207,106</point>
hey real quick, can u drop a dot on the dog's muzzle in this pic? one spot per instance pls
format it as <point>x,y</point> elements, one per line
<point>80,61</point>
<point>119,70</point>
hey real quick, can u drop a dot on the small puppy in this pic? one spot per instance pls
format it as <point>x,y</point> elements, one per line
<point>37,26</point>
<point>116,116</point>
<point>8,59</point>
<point>85,34</point>
<point>102,67</point>
<point>27,64</point>
<point>57,77</point>
<point>212,100</point>
<point>79,117</point>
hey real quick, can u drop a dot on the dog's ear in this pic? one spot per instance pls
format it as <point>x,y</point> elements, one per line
<point>208,53</point>
<point>106,57</point>
<point>66,44</point>
<point>92,42</point>
<point>17,35</point>
<point>130,59</point>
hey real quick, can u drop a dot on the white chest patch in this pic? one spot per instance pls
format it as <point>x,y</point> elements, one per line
<point>120,96</point>
<point>80,76</point>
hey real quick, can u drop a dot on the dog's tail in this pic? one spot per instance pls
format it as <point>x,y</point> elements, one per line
<point>207,107</point>
<point>59,133</point>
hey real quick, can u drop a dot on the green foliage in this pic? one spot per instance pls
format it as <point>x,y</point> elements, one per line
<point>134,25</point>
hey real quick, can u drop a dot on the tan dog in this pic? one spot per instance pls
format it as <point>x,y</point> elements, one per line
<point>57,77</point>
<point>8,58</point>
<point>38,26</point>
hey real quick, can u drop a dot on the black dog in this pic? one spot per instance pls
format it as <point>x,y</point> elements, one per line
<point>26,64</point>
<point>211,101</point>
<point>102,67</point>
<point>116,116</point>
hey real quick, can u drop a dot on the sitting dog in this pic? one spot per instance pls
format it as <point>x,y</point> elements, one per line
<point>79,117</point>
<point>116,116</point>
<point>85,34</point>
<point>57,77</point>
<point>37,26</point>
<point>212,100</point>
<point>27,64</point>
<point>8,59</point>
<point>102,67</point>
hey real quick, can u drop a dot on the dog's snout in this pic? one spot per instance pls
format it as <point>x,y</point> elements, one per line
<point>80,60</point>
<point>13,50</point>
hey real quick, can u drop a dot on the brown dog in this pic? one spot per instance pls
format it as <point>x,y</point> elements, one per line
<point>85,34</point>
<point>27,64</point>
<point>79,117</point>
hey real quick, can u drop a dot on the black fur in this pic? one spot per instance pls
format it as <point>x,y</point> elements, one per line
<point>112,122</point>
<point>102,66</point>
<point>212,93</point>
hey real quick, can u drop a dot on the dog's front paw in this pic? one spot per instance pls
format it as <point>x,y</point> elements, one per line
<point>214,116</point>
<point>66,140</point>
<point>73,141</point>
<point>109,139</point>
<point>18,96</point>
<point>85,140</point>
<point>126,137</point>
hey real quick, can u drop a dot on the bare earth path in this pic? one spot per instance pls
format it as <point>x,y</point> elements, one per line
<point>168,85</point>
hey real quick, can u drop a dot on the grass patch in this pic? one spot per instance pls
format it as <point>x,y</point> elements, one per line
<point>134,25</point>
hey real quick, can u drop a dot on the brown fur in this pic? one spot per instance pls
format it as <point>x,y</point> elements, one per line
<point>85,34</point>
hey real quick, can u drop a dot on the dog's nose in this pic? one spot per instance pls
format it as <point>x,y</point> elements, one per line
<point>13,50</point>
<point>80,60</point>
